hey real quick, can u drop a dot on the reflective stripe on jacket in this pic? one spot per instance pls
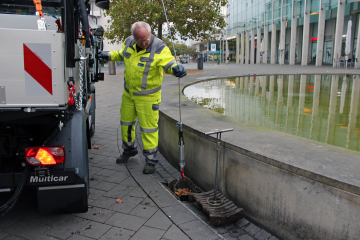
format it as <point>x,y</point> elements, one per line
<point>144,70</point>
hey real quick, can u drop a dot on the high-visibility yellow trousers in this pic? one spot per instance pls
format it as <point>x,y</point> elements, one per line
<point>147,111</point>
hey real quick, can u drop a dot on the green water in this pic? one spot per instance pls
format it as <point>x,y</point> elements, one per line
<point>323,108</point>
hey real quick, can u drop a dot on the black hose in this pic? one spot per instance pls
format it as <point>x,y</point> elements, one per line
<point>11,202</point>
<point>84,21</point>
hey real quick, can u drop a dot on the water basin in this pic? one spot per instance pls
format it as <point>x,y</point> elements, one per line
<point>323,108</point>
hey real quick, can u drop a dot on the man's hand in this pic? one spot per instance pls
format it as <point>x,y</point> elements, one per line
<point>179,71</point>
<point>104,55</point>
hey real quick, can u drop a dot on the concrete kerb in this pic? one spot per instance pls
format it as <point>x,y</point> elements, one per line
<point>273,162</point>
<point>302,172</point>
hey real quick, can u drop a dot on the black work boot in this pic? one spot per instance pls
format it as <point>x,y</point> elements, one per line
<point>149,168</point>
<point>124,157</point>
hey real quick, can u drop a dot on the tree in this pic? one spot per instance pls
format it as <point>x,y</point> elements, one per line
<point>192,51</point>
<point>181,48</point>
<point>194,19</point>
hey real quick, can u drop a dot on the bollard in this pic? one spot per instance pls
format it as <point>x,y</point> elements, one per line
<point>112,68</point>
<point>200,62</point>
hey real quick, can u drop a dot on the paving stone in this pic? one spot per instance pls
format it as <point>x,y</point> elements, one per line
<point>242,222</point>
<point>105,186</point>
<point>140,177</point>
<point>262,235</point>
<point>3,235</point>
<point>219,229</point>
<point>94,230</point>
<point>118,177</point>
<point>119,191</point>
<point>246,237</point>
<point>67,227</point>
<point>227,236</point>
<point>95,193</point>
<point>273,238</point>
<point>126,221</point>
<point>128,204</point>
<point>174,233</point>
<point>51,220</point>
<point>105,172</point>
<point>12,237</point>
<point>194,207</point>
<point>95,158</point>
<point>148,233</point>
<point>167,176</point>
<point>117,234</point>
<point>45,237</point>
<point>104,152</point>
<point>151,186</point>
<point>158,177</point>
<point>163,199</point>
<point>198,230</point>
<point>179,214</point>
<point>103,202</point>
<point>137,192</point>
<point>79,237</point>
<point>236,232</point>
<point>8,220</point>
<point>27,229</point>
<point>159,220</point>
<point>112,165</point>
<point>252,229</point>
<point>95,179</point>
<point>129,182</point>
<point>136,164</point>
<point>143,211</point>
<point>93,169</point>
<point>229,225</point>
<point>94,214</point>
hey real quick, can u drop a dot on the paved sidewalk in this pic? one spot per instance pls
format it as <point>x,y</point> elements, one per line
<point>148,210</point>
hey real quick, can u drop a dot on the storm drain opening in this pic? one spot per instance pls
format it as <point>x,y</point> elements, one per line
<point>181,188</point>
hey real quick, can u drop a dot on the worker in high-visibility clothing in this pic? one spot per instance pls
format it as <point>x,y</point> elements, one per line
<point>145,57</point>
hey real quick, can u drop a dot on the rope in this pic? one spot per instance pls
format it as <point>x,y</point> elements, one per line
<point>172,43</point>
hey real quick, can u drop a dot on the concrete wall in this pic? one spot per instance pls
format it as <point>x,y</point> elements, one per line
<point>272,194</point>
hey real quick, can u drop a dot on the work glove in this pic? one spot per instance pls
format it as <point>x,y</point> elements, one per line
<point>179,71</point>
<point>104,55</point>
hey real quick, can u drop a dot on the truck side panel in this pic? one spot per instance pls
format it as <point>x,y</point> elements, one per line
<point>74,138</point>
<point>32,72</point>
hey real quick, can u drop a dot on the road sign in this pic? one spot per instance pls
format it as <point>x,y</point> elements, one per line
<point>213,47</point>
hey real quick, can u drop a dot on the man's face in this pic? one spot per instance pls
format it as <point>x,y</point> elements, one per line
<point>142,37</point>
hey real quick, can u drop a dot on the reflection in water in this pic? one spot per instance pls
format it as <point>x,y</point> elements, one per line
<point>323,108</point>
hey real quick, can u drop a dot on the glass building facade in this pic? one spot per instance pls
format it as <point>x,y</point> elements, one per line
<point>293,31</point>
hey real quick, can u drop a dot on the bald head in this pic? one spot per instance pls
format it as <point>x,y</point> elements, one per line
<point>142,34</point>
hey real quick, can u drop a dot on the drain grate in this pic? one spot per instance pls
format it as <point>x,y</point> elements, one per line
<point>227,212</point>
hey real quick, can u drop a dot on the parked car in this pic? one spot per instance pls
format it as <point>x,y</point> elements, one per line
<point>184,60</point>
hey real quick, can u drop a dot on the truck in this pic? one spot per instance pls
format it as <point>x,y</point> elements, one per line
<point>48,68</point>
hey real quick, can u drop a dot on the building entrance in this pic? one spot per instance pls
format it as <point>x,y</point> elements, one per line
<point>327,52</point>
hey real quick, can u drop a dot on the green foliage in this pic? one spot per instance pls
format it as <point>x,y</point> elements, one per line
<point>194,19</point>
<point>192,51</point>
<point>181,48</point>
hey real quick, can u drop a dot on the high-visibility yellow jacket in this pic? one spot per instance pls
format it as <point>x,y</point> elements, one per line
<point>144,69</point>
